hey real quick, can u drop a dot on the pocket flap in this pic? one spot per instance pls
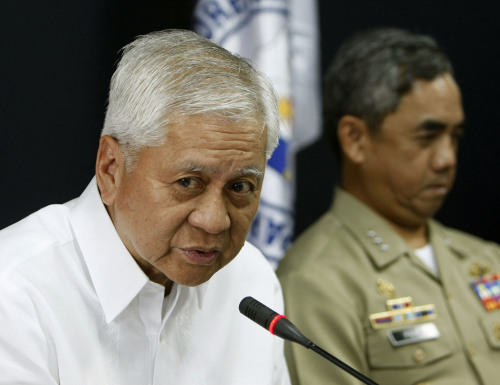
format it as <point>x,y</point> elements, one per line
<point>382,353</point>
<point>491,328</point>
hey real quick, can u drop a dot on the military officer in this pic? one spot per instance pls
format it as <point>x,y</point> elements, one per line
<point>376,281</point>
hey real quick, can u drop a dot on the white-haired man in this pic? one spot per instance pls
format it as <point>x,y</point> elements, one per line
<point>128,284</point>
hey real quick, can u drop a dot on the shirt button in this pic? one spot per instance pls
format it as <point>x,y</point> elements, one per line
<point>418,356</point>
<point>472,350</point>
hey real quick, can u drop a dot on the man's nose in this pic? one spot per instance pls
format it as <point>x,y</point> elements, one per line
<point>445,155</point>
<point>211,213</point>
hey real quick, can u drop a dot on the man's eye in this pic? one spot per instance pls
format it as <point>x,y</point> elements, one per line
<point>189,183</point>
<point>242,187</point>
<point>427,139</point>
<point>428,136</point>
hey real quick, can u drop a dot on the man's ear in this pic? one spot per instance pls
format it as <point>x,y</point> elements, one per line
<point>353,136</point>
<point>110,168</point>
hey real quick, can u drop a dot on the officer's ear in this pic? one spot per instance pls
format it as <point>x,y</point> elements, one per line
<point>110,168</point>
<point>353,135</point>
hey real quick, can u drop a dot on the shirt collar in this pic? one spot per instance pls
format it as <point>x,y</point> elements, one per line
<point>200,292</point>
<point>441,238</point>
<point>381,242</point>
<point>116,277</point>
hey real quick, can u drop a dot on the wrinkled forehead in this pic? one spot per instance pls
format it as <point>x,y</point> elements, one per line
<point>207,125</point>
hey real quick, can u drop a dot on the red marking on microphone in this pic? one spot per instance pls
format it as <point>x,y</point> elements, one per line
<point>274,321</point>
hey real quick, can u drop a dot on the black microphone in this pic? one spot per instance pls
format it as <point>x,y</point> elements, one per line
<point>279,325</point>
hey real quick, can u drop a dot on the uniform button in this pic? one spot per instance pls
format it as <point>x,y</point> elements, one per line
<point>384,247</point>
<point>418,356</point>
<point>371,233</point>
<point>472,350</point>
<point>377,240</point>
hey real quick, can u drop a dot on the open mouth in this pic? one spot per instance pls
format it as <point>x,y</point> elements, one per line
<point>200,256</point>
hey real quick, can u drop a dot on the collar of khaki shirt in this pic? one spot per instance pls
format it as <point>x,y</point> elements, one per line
<point>377,237</point>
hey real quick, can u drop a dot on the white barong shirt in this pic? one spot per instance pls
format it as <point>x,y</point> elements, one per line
<point>75,308</point>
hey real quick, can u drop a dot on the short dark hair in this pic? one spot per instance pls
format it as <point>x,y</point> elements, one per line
<point>370,73</point>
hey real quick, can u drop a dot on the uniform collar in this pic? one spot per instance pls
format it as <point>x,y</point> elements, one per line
<point>380,241</point>
<point>443,238</point>
<point>382,244</point>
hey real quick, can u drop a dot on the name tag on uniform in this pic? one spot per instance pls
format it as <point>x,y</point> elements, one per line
<point>413,334</point>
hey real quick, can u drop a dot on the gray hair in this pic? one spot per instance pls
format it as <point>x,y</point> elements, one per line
<point>370,73</point>
<point>171,74</point>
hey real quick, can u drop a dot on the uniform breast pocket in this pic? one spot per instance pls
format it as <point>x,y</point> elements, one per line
<point>408,347</point>
<point>490,325</point>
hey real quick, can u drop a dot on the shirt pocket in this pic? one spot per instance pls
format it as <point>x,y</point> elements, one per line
<point>383,355</point>
<point>490,325</point>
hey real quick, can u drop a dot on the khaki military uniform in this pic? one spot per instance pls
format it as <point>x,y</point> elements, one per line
<point>357,290</point>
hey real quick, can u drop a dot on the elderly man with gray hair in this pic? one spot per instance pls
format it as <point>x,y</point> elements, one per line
<point>138,280</point>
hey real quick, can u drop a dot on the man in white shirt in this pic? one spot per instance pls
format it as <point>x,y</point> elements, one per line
<point>124,285</point>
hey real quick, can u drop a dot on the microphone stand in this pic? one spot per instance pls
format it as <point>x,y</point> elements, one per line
<point>341,364</point>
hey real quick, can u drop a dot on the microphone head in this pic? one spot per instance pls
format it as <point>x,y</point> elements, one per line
<point>257,312</point>
<point>276,323</point>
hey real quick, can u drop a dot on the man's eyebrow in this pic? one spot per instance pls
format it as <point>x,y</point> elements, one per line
<point>250,170</point>
<point>253,170</point>
<point>432,125</point>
